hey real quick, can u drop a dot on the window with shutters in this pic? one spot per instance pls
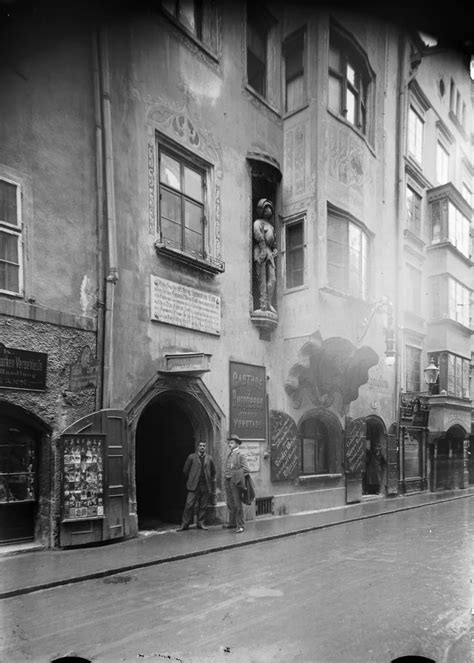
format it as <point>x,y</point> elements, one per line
<point>183,182</point>
<point>11,260</point>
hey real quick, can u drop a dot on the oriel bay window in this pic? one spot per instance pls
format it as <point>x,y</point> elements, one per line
<point>182,193</point>
<point>450,218</point>
<point>347,256</point>
<point>10,238</point>
<point>450,299</point>
<point>350,78</point>
<point>454,373</point>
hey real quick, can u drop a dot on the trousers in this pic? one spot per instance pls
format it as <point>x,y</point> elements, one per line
<point>196,499</point>
<point>234,504</point>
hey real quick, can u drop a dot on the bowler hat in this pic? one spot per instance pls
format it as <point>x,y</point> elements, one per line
<point>236,438</point>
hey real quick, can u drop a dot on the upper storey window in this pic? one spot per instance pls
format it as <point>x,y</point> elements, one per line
<point>10,238</point>
<point>294,62</point>
<point>257,46</point>
<point>415,135</point>
<point>347,256</point>
<point>349,80</point>
<point>186,12</point>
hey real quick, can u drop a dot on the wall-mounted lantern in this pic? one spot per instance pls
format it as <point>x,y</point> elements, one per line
<point>431,374</point>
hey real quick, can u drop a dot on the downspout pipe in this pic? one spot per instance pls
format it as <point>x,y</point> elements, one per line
<point>100,217</point>
<point>111,274</point>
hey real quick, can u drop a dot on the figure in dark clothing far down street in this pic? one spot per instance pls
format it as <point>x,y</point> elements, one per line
<point>199,471</point>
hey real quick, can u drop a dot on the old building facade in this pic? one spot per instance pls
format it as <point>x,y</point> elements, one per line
<point>224,221</point>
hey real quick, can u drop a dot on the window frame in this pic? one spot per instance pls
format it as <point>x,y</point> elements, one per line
<point>450,360</point>
<point>415,138</point>
<point>289,223</point>
<point>442,162</point>
<point>204,259</point>
<point>411,368</point>
<point>416,226</point>
<point>288,43</point>
<point>351,54</point>
<point>176,16</point>
<point>319,443</point>
<point>16,230</point>
<point>363,289</point>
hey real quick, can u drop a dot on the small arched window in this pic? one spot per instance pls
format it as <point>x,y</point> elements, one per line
<point>314,447</point>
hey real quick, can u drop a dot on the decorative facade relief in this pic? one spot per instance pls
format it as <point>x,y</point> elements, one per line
<point>295,180</point>
<point>347,159</point>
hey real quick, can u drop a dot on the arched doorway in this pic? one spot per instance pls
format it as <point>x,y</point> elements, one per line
<point>375,470</point>
<point>164,438</point>
<point>20,437</point>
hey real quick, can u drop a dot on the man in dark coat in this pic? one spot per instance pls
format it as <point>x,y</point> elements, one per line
<point>199,471</point>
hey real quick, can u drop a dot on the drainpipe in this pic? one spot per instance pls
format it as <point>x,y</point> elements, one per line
<point>100,218</point>
<point>111,273</point>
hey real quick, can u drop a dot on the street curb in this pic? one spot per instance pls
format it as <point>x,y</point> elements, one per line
<point>199,553</point>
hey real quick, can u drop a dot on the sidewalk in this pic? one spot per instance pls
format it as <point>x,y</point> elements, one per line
<point>26,572</point>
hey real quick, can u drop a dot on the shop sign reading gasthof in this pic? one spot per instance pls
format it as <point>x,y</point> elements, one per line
<point>180,305</point>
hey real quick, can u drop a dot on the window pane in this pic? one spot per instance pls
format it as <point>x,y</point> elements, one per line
<point>465,378</point>
<point>351,75</point>
<point>171,231</point>
<point>8,203</point>
<point>170,206</point>
<point>415,135</point>
<point>193,184</point>
<point>413,369</point>
<point>308,456</point>
<point>9,247</point>
<point>413,211</point>
<point>295,93</point>
<point>334,94</point>
<point>294,59</point>
<point>193,242</point>
<point>294,235</point>
<point>170,171</point>
<point>351,101</point>
<point>187,15</point>
<point>193,216</point>
<point>334,58</point>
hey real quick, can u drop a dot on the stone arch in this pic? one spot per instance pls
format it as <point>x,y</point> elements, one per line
<point>196,401</point>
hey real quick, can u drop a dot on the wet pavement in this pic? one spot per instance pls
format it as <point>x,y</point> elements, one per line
<point>366,591</point>
<point>40,569</point>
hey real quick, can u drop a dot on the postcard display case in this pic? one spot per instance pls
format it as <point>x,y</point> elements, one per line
<point>82,494</point>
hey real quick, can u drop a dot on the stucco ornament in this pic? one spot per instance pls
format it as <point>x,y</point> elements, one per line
<point>329,372</point>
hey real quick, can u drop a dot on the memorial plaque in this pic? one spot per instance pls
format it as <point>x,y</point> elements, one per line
<point>180,305</point>
<point>248,403</point>
<point>22,369</point>
<point>285,444</point>
<point>82,477</point>
<point>252,453</point>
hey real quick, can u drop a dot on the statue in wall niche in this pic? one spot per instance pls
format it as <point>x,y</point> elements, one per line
<point>264,254</point>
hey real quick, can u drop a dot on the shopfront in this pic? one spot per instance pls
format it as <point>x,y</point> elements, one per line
<point>413,439</point>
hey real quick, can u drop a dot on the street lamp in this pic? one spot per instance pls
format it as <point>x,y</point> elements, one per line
<point>431,374</point>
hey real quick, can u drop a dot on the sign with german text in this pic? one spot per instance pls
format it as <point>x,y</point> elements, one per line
<point>284,447</point>
<point>248,403</point>
<point>252,454</point>
<point>180,305</point>
<point>22,369</point>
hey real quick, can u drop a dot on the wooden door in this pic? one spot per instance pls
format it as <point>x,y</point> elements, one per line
<point>112,424</point>
<point>354,458</point>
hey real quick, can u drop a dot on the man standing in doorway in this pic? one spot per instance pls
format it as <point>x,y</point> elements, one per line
<point>199,471</point>
<point>236,468</point>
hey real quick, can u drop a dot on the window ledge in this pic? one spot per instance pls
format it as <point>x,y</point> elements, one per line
<point>350,126</point>
<point>414,238</point>
<point>308,478</point>
<point>290,113</point>
<point>290,291</point>
<point>448,245</point>
<point>205,263</point>
<point>343,295</point>
<point>262,100</point>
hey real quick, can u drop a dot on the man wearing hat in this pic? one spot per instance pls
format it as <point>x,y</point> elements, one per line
<point>200,472</point>
<point>236,468</point>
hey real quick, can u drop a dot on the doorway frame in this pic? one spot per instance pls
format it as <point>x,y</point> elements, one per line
<point>207,419</point>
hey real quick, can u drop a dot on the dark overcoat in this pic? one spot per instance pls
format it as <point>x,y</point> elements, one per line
<point>192,471</point>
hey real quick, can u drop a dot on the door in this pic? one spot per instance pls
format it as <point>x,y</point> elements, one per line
<point>392,461</point>
<point>354,458</point>
<point>114,523</point>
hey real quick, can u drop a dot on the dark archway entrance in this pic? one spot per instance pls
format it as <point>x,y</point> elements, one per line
<point>375,467</point>
<point>449,464</point>
<point>164,438</point>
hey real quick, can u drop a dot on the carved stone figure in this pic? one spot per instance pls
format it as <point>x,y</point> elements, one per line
<point>264,254</point>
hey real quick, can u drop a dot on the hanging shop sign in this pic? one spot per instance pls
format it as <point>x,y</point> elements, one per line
<point>284,447</point>
<point>248,403</point>
<point>180,305</point>
<point>82,477</point>
<point>22,369</point>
